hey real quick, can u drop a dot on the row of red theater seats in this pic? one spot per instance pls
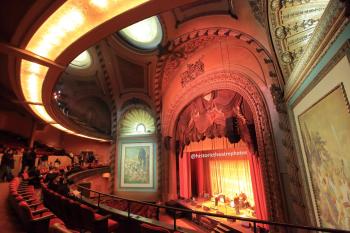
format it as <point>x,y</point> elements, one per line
<point>38,219</point>
<point>76,215</point>
<point>35,217</point>
<point>135,208</point>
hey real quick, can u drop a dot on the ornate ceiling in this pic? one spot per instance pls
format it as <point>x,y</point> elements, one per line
<point>292,24</point>
<point>90,97</point>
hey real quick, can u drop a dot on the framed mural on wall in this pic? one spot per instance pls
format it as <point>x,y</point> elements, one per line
<point>325,131</point>
<point>137,165</point>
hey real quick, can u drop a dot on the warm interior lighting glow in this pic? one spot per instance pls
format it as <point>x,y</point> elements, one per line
<point>41,112</point>
<point>71,21</point>
<point>137,121</point>
<point>102,4</point>
<point>146,34</point>
<point>82,61</point>
<point>32,80</point>
<point>67,24</point>
<point>140,128</point>
<point>60,127</point>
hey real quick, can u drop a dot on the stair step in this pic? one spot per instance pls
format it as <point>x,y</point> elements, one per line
<point>222,227</point>
<point>218,230</point>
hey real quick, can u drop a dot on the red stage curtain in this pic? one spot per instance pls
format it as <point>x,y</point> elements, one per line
<point>200,178</point>
<point>185,176</point>
<point>231,176</point>
<point>258,187</point>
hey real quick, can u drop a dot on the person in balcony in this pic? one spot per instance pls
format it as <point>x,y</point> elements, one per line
<point>7,164</point>
<point>31,159</point>
<point>25,158</point>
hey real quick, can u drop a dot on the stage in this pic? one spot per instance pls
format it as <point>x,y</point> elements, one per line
<point>208,206</point>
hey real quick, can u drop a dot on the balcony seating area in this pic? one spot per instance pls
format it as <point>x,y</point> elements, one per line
<point>77,215</point>
<point>33,214</point>
<point>49,211</point>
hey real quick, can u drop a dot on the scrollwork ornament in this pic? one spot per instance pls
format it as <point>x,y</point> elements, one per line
<point>275,5</point>
<point>281,32</point>
<point>287,57</point>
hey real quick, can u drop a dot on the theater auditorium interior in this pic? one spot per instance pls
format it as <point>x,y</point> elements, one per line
<point>174,116</point>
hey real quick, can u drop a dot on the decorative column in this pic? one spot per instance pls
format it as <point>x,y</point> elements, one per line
<point>172,183</point>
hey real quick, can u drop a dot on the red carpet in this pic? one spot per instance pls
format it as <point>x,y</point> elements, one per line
<point>9,222</point>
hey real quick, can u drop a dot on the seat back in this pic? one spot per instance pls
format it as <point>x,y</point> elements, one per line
<point>87,214</point>
<point>73,213</point>
<point>147,228</point>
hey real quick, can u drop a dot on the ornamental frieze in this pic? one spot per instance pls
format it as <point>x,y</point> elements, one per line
<point>192,72</point>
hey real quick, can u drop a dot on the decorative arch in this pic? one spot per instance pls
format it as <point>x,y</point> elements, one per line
<point>134,115</point>
<point>244,86</point>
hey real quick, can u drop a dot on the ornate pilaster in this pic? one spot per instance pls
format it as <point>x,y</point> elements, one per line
<point>296,194</point>
<point>112,96</point>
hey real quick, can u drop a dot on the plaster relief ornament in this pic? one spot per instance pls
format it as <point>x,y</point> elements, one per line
<point>287,57</point>
<point>192,72</point>
<point>281,32</point>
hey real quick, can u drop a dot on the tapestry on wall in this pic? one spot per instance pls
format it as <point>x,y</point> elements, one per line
<point>325,128</point>
<point>137,165</point>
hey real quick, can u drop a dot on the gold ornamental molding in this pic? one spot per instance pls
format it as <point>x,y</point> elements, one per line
<point>292,24</point>
<point>332,22</point>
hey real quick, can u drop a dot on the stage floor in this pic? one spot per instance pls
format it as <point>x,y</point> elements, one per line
<point>221,209</point>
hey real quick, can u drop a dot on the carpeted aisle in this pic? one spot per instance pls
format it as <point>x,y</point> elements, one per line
<point>9,222</point>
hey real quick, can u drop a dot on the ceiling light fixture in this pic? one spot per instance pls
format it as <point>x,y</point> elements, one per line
<point>146,34</point>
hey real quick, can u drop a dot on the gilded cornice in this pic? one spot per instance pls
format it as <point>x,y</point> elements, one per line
<point>332,21</point>
<point>291,25</point>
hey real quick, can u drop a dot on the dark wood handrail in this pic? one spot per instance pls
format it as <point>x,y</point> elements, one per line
<point>260,221</point>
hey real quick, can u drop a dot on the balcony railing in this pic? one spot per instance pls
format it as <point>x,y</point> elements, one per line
<point>98,198</point>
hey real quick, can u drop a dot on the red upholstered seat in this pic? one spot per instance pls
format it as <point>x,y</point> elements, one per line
<point>147,228</point>
<point>60,228</point>
<point>95,222</point>
<point>112,225</point>
<point>38,221</point>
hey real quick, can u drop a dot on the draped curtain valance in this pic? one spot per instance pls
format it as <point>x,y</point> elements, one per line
<point>220,113</point>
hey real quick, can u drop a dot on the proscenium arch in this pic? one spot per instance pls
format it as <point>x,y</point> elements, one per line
<point>243,85</point>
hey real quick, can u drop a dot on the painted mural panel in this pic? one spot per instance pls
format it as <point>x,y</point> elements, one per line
<point>325,129</point>
<point>137,165</point>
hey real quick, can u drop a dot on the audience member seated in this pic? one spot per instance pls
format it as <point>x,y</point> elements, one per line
<point>34,177</point>
<point>51,175</point>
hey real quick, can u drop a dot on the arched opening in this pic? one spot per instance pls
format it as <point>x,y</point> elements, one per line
<point>243,85</point>
<point>218,165</point>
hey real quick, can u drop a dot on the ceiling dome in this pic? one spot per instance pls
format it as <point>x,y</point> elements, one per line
<point>146,34</point>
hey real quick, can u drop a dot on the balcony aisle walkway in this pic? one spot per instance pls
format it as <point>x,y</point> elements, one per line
<point>9,223</point>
